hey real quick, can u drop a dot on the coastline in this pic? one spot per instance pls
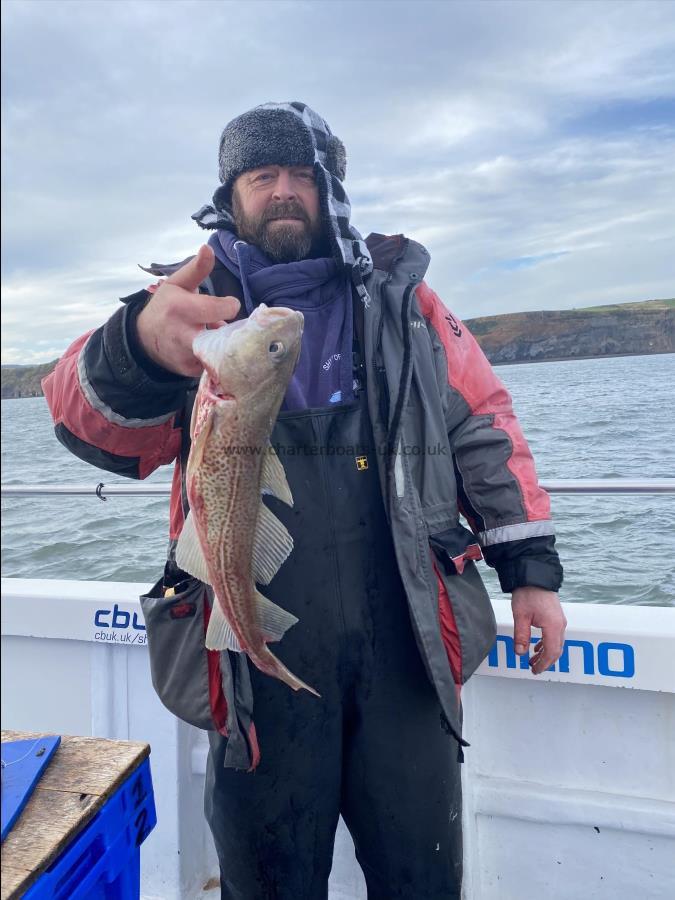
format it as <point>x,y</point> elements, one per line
<point>644,328</point>
<point>496,365</point>
<point>524,362</point>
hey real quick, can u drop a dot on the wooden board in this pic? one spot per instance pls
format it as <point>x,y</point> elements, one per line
<point>83,773</point>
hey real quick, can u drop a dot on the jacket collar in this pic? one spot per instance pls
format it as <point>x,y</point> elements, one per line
<point>390,251</point>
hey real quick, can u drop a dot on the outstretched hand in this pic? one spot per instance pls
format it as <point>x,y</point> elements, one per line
<point>535,606</point>
<point>176,313</point>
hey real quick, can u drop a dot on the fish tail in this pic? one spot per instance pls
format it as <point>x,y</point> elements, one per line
<point>271,665</point>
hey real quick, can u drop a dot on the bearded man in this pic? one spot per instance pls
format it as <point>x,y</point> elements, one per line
<point>393,424</point>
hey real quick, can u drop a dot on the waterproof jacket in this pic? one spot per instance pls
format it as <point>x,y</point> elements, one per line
<point>446,437</point>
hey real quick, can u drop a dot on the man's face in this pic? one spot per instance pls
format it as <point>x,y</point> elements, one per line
<point>277,208</point>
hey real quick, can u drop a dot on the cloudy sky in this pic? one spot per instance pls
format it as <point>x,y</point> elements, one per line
<point>529,145</point>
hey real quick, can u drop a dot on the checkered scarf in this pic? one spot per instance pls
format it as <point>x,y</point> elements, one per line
<point>347,245</point>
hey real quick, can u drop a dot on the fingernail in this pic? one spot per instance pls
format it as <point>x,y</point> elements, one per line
<point>520,649</point>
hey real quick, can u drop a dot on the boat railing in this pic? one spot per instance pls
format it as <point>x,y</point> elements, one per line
<point>561,486</point>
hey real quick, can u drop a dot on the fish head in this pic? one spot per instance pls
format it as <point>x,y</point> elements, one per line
<point>251,358</point>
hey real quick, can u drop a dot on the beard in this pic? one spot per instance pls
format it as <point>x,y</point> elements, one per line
<point>281,242</point>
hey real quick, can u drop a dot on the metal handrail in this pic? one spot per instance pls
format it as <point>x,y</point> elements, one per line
<point>563,486</point>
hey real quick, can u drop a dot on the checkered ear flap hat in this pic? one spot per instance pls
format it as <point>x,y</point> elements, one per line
<point>291,134</point>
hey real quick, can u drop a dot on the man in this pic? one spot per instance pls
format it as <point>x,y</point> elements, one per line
<point>393,423</point>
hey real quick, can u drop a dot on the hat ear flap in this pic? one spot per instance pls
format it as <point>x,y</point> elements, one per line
<point>336,157</point>
<point>222,199</point>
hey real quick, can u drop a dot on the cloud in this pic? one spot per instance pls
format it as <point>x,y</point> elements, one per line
<point>521,262</point>
<point>530,143</point>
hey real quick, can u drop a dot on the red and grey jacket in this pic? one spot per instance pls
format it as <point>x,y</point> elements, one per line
<point>452,445</point>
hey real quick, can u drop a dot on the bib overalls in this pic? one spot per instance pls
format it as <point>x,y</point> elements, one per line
<point>372,747</point>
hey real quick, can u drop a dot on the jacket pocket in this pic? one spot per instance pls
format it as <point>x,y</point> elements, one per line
<point>467,620</point>
<point>454,547</point>
<point>474,618</point>
<point>186,680</point>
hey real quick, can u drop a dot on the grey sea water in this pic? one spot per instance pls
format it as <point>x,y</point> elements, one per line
<point>609,418</point>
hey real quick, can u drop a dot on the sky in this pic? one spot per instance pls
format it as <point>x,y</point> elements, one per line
<point>530,146</point>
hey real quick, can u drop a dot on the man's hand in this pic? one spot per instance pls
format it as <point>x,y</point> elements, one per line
<point>176,313</point>
<point>535,606</point>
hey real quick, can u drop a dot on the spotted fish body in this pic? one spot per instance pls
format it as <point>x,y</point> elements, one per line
<point>230,538</point>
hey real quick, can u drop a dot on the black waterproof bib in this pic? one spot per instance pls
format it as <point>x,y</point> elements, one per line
<point>371,747</point>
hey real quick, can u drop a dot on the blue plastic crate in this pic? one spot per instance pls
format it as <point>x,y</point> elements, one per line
<point>104,862</point>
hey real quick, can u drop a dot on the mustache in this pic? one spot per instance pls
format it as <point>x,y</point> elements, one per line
<point>285,211</point>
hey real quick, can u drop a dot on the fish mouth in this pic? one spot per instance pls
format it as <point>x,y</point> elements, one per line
<point>215,393</point>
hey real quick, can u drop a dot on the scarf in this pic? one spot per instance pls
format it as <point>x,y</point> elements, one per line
<point>319,289</point>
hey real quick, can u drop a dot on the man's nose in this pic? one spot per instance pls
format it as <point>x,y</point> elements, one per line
<point>284,188</point>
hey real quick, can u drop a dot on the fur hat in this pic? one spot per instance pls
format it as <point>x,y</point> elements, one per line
<point>267,136</point>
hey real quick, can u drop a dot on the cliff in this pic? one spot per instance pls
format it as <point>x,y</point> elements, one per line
<point>24,381</point>
<point>626,329</point>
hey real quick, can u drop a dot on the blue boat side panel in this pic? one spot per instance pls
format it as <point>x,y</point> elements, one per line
<point>23,763</point>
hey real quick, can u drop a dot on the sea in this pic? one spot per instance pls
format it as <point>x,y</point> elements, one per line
<point>593,418</point>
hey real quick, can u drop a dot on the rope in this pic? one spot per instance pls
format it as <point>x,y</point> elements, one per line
<point>6,765</point>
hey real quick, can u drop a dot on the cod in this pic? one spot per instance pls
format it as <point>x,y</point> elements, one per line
<point>230,539</point>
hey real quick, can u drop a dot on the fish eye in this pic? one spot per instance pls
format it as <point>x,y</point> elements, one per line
<point>277,349</point>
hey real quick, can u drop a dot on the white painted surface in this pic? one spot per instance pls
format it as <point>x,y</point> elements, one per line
<point>570,789</point>
<point>569,782</point>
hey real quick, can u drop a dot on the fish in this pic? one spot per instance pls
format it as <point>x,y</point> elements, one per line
<point>230,539</point>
